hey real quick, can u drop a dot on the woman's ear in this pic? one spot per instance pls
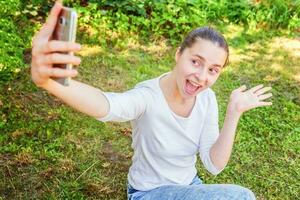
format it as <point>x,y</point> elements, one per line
<point>177,54</point>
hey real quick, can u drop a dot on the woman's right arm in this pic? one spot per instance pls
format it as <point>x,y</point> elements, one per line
<point>45,53</point>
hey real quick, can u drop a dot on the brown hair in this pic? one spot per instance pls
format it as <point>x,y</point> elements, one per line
<point>206,33</point>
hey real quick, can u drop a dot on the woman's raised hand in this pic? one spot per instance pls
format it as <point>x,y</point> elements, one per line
<point>46,52</point>
<point>242,100</point>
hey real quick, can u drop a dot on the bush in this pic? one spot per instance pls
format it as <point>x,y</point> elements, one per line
<point>171,19</point>
<point>11,51</point>
<point>16,31</point>
<point>108,21</point>
<point>10,41</point>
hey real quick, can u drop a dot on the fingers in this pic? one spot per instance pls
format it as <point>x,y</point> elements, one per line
<point>256,88</point>
<point>263,90</point>
<point>242,88</point>
<point>55,46</point>
<point>59,73</point>
<point>262,103</point>
<point>49,26</point>
<point>57,58</point>
<point>265,96</point>
<point>60,46</point>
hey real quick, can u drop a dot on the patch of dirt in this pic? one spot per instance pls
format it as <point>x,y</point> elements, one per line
<point>5,162</point>
<point>8,171</point>
<point>17,134</point>
<point>111,155</point>
<point>93,188</point>
<point>48,173</point>
<point>23,159</point>
<point>113,161</point>
<point>126,131</point>
<point>27,55</point>
<point>66,165</point>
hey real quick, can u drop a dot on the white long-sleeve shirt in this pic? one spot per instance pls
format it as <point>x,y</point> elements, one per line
<point>165,145</point>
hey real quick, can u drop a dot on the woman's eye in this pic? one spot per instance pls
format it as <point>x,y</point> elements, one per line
<point>195,62</point>
<point>213,70</point>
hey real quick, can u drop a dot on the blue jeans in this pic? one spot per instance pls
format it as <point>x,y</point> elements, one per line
<point>195,191</point>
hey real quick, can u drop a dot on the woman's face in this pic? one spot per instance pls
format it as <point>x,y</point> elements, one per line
<point>198,67</point>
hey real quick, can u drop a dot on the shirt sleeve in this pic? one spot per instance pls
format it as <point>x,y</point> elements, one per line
<point>126,106</point>
<point>209,133</point>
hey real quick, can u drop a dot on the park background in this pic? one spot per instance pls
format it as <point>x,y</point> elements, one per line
<point>50,151</point>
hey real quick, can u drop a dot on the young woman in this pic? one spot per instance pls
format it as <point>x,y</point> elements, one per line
<point>174,117</point>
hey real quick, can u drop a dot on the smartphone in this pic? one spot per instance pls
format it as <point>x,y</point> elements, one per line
<point>65,30</point>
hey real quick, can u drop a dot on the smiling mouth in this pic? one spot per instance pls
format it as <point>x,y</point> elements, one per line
<point>191,87</point>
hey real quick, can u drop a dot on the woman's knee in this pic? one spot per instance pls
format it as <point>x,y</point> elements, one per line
<point>227,191</point>
<point>242,193</point>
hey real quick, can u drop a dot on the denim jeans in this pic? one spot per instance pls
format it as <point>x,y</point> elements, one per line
<point>195,191</point>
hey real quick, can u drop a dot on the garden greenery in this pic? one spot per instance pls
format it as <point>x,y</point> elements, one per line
<point>149,19</point>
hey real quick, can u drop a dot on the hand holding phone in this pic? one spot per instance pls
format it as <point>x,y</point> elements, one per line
<point>52,46</point>
<point>65,30</point>
<point>47,52</point>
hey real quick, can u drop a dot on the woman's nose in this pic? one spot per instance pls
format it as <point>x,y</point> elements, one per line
<point>201,75</point>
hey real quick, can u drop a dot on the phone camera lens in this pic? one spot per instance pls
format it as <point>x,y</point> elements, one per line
<point>62,21</point>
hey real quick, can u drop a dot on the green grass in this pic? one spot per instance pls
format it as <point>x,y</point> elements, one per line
<point>49,151</point>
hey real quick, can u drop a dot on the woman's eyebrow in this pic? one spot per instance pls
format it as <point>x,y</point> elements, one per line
<point>199,56</point>
<point>217,65</point>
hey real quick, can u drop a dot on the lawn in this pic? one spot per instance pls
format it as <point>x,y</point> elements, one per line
<point>49,151</point>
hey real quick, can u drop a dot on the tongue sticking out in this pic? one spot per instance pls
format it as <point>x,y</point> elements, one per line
<point>190,88</point>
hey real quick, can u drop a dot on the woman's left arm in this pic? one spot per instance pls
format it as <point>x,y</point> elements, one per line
<point>241,100</point>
